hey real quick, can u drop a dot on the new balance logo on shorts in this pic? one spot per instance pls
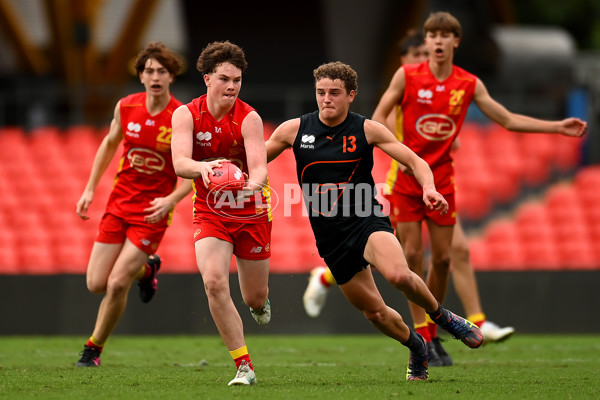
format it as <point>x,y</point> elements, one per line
<point>256,249</point>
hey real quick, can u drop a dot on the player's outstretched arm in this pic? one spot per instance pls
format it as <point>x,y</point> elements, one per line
<point>378,135</point>
<point>105,153</point>
<point>391,97</point>
<point>522,123</point>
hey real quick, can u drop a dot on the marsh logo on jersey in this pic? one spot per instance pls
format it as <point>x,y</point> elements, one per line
<point>133,130</point>
<point>145,161</point>
<point>424,96</point>
<point>307,142</point>
<point>203,138</point>
<point>436,127</point>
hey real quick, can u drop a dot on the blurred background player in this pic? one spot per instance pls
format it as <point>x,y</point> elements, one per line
<point>434,97</point>
<point>333,149</point>
<point>215,127</point>
<point>413,51</point>
<point>145,192</point>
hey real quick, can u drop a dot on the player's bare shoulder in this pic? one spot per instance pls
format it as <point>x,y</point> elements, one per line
<point>376,132</point>
<point>287,131</point>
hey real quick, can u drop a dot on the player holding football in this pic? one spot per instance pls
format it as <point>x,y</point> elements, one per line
<point>434,97</point>
<point>141,203</point>
<point>334,170</point>
<point>211,128</point>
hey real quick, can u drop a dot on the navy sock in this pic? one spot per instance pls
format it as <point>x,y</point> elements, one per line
<point>416,343</point>
<point>435,316</point>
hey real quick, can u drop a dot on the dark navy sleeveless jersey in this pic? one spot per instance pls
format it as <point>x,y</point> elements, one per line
<point>334,166</point>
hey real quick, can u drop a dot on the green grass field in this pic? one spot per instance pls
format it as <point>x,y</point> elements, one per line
<point>298,367</point>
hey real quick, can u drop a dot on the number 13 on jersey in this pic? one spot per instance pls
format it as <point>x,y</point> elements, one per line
<point>349,144</point>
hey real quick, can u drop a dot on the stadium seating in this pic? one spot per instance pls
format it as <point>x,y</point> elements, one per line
<point>538,153</point>
<point>43,173</point>
<point>560,231</point>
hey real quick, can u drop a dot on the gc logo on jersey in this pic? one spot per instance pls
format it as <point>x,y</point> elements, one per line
<point>145,161</point>
<point>436,127</point>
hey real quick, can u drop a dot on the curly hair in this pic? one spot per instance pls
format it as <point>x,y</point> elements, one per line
<point>158,51</point>
<point>217,53</point>
<point>338,70</point>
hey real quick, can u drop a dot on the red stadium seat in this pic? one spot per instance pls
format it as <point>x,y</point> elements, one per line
<point>480,258</point>
<point>177,247</point>
<point>541,146</point>
<point>13,144</point>
<point>586,182</point>
<point>32,242</point>
<point>564,204</point>
<point>536,234</point>
<point>505,188</point>
<point>471,138</point>
<point>81,144</point>
<point>465,164</point>
<point>473,195</point>
<point>533,228</point>
<point>37,258</point>
<point>9,253</point>
<point>568,152</point>
<point>505,255</point>
<point>503,246</point>
<point>72,247</point>
<point>540,254</point>
<point>578,254</point>
<point>538,151</point>
<point>588,176</point>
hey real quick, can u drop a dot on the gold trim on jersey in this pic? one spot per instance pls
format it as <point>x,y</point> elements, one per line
<point>392,174</point>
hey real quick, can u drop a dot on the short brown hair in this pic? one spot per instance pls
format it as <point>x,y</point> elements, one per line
<point>158,51</point>
<point>217,53</point>
<point>442,21</point>
<point>338,70</point>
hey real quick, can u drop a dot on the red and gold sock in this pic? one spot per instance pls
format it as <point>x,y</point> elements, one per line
<point>431,327</point>
<point>92,342</point>
<point>422,330</point>
<point>327,278</point>
<point>477,319</point>
<point>145,272</point>
<point>240,355</point>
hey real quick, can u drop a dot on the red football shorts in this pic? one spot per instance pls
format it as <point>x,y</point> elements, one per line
<point>145,237</point>
<point>250,241</point>
<point>412,208</point>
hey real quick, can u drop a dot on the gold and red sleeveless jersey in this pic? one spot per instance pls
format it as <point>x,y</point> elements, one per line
<point>146,167</point>
<point>223,139</point>
<point>432,113</point>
